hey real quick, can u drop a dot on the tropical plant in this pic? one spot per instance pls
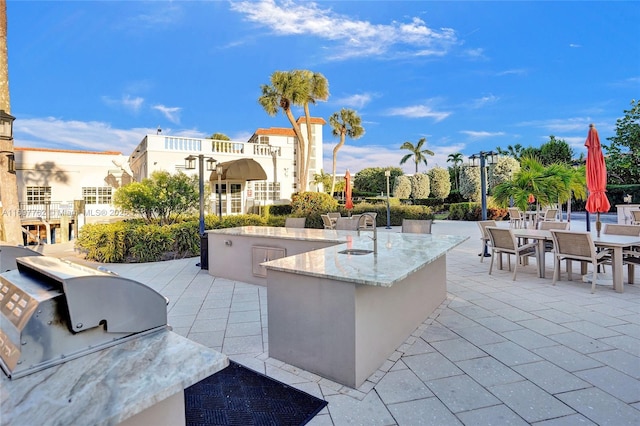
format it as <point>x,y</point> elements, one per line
<point>623,153</point>
<point>555,151</point>
<point>295,88</point>
<point>504,170</point>
<point>162,196</point>
<point>323,179</point>
<point>402,187</point>
<point>456,159</point>
<point>417,152</point>
<point>548,185</point>
<point>220,137</point>
<point>470,183</point>
<point>373,180</point>
<point>345,123</point>
<point>420,186</point>
<point>440,182</point>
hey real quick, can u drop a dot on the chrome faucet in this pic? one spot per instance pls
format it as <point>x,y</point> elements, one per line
<point>375,230</point>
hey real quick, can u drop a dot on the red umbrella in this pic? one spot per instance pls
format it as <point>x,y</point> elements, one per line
<point>348,204</point>
<point>597,202</point>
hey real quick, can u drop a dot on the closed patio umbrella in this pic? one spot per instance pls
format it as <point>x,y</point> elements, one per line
<point>597,202</point>
<point>348,204</point>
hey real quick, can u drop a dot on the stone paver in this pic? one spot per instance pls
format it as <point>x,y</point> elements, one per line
<point>496,352</point>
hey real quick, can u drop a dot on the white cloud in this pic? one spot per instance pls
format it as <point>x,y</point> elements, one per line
<point>357,157</point>
<point>474,134</point>
<point>561,125</point>
<point>418,111</point>
<point>354,101</point>
<point>353,38</point>
<point>573,45</point>
<point>515,71</point>
<point>485,100</point>
<point>171,113</point>
<point>133,104</point>
<point>55,133</point>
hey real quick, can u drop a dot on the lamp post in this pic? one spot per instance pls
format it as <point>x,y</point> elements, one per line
<point>387,174</point>
<point>219,171</point>
<point>275,151</point>
<point>190,164</point>
<point>481,159</point>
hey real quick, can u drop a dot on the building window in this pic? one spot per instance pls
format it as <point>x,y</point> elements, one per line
<point>97,195</point>
<point>264,140</point>
<point>38,194</point>
<point>236,198</point>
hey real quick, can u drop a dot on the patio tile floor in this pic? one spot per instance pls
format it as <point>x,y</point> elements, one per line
<point>496,351</point>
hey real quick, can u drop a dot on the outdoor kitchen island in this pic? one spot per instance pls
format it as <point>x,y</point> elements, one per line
<point>139,382</point>
<point>337,312</point>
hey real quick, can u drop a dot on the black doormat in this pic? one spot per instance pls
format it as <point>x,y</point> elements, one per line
<point>240,396</point>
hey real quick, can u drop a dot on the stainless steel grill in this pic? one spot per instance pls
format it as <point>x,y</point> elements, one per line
<point>53,311</point>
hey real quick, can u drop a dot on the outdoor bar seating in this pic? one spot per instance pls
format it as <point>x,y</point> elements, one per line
<point>417,226</point>
<point>635,217</point>
<point>327,222</point>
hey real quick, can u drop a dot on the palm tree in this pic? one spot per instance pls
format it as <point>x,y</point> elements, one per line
<point>321,178</point>
<point>295,88</point>
<point>418,154</point>
<point>345,123</point>
<point>549,185</point>
<point>456,159</point>
<point>10,226</point>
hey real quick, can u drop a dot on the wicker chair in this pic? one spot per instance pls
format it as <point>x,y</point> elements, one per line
<point>516,218</point>
<point>504,242</point>
<point>571,245</point>
<point>295,222</point>
<point>635,217</point>
<point>417,226</point>
<point>334,216</point>
<point>484,237</point>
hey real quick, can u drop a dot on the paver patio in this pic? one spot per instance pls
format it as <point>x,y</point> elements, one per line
<point>496,351</point>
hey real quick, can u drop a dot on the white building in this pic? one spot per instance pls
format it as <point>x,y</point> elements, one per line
<point>60,190</point>
<point>274,149</point>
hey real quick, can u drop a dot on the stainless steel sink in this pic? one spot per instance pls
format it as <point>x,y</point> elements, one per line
<point>356,251</point>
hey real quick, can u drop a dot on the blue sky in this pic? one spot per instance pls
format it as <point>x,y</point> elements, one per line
<point>467,76</point>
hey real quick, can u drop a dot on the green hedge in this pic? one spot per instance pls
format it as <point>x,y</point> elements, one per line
<point>473,212</point>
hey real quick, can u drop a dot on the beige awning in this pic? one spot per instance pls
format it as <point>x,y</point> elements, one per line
<point>243,169</point>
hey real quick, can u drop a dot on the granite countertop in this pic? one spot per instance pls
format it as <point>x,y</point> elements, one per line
<point>108,386</point>
<point>398,255</point>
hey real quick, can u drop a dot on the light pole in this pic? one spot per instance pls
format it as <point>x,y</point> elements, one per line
<point>387,174</point>
<point>275,151</point>
<point>190,164</point>
<point>482,158</point>
<point>219,171</point>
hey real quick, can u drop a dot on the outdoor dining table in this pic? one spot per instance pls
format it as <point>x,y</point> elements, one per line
<point>616,243</point>
<point>530,217</point>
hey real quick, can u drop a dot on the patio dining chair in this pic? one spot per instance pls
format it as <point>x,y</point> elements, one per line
<point>504,242</point>
<point>546,226</point>
<point>334,216</point>
<point>630,255</point>
<point>326,221</point>
<point>417,226</point>
<point>347,224</point>
<point>484,237</point>
<point>572,245</point>
<point>295,222</point>
<point>549,215</point>
<point>635,217</point>
<point>516,218</point>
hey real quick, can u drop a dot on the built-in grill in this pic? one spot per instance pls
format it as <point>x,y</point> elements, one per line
<point>54,311</point>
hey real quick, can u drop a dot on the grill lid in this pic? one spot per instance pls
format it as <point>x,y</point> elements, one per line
<point>54,310</point>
